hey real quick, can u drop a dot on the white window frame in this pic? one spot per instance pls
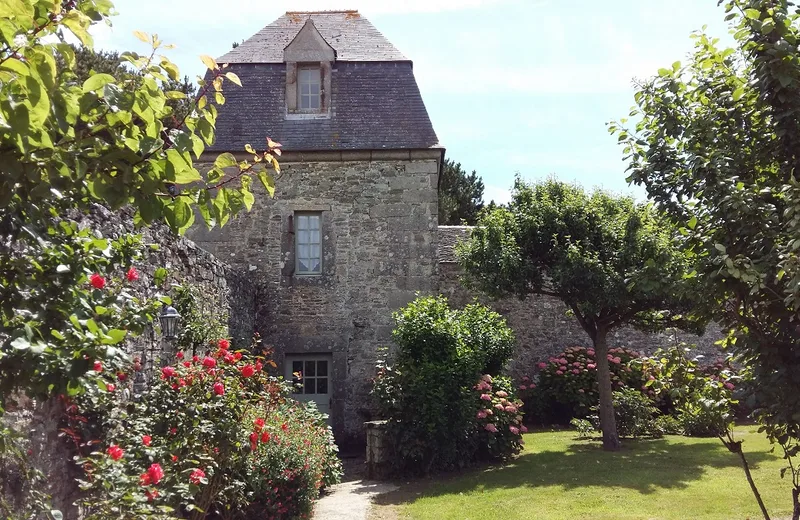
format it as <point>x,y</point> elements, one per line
<point>308,239</point>
<point>310,77</point>
<point>301,385</point>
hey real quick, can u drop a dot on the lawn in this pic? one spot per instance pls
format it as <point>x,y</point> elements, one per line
<point>558,477</point>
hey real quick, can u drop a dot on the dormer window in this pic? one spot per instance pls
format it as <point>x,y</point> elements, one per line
<point>309,87</point>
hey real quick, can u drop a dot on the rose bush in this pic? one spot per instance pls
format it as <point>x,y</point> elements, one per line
<point>184,449</point>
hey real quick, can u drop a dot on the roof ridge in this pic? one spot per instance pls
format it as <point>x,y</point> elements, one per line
<point>325,11</point>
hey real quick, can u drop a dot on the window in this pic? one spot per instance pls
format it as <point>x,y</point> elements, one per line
<point>313,376</point>
<point>309,82</point>
<point>308,239</point>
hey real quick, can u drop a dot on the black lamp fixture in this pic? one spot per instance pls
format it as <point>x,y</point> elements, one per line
<point>169,318</point>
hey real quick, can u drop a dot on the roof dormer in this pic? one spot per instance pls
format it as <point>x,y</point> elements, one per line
<point>309,59</point>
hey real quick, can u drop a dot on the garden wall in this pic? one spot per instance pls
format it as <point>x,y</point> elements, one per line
<point>541,324</point>
<point>225,291</point>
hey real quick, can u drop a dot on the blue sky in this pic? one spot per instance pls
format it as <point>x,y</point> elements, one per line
<point>511,86</point>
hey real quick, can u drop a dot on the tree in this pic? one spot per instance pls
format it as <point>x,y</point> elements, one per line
<point>717,147</point>
<point>68,143</point>
<point>460,195</point>
<point>613,262</point>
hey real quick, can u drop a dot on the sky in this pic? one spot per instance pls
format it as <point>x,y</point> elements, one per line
<point>512,86</point>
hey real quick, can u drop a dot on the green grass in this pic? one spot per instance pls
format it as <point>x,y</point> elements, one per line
<point>558,477</point>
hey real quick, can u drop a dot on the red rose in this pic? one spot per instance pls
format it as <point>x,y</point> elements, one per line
<point>132,275</point>
<point>173,431</point>
<point>259,423</point>
<point>195,358</point>
<point>187,364</point>
<point>155,473</point>
<point>196,476</point>
<point>174,458</point>
<point>144,479</point>
<point>146,440</point>
<point>97,281</point>
<point>209,362</point>
<point>182,382</point>
<point>122,376</point>
<point>259,366</point>
<point>237,356</point>
<point>248,371</point>
<point>228,358</point>
<point>97,367</point>
<point>265,437</point>
<point>253,441</point>
<point>110,387</point>
<point>167,372</point>
<point>284,426</point>
<point>179,355</point>
<point>224,344</point>
<point>151,494</point>
<point>219,389</point>
<point>115,452</point>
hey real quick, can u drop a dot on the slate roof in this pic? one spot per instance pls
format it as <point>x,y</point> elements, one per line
<point>449,236</point>
<point>375,101</point>
<point>352,35</point>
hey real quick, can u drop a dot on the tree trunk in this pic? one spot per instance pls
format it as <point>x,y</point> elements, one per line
<point>796,502</point>
<point>736,447</point>
<point>608,422</point>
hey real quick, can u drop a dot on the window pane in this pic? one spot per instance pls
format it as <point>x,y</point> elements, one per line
<point>322,385</point>
<point>303,236</point>
<point>310,387</point>
<point>310,368</point>
<point>316,267</point>
<point>305,89</point>
<point>313,89</point>
<point>297,366</point>
<point>313,102</point>
<point>302,222</point>
<point>313,237</point>
<point>314,252</point>
<point>313,222</point>
<point>302,266</point>
<point>322,368</point>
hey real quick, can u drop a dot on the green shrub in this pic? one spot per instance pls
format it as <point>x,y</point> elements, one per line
<point>708,412</point>
<point>584,427</point>
<point>432,395</point>
<point>668,425</point>
<point>185,448</point>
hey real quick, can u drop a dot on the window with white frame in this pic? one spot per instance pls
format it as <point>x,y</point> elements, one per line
<point>308,243</point>
<point>309,86</point>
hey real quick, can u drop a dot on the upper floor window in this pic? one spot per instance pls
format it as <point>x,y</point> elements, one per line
<point>309,243</point>
<point>309,80</point>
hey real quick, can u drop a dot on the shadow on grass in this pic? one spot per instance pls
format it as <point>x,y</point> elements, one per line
<point>642,465</point>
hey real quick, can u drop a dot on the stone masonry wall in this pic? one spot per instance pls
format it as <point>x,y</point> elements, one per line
<point>541,324</point>
<point>379,221</point>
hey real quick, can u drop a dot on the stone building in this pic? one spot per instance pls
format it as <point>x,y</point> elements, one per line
<point>351,234</point>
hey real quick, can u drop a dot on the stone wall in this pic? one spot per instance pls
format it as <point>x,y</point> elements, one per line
<point>379,218</point>
<point>541,324</point>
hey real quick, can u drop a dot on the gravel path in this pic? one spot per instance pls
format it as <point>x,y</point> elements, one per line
<point>350,500</point>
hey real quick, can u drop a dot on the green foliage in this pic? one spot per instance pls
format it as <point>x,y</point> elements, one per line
<point>635,414</point>
<point>460,195</point>
<point>207,423</point>
<point>429,395</point>
<point>584,428</point>
<point>716,145</point>
<point>200,325</point>
<point>707,412</point>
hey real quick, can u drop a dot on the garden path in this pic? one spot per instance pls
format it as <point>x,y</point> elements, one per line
<point>350,500</point>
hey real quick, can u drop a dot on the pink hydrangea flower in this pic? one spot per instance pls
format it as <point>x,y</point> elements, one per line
<point>487,378</point>
<point>729,386</point>
<point>523,387</point>
<point>542,365</point>
<point>481,414</point>
<point>514,430</point>
<point>490,428</point>
<point>576,364</point>
<point>576,371</point>
<point>591,366</point>
<point>559,373</point>
<point>499,407</point>
<point>501,393</point>
<point>616,361</point>
<point>590,352</point>
<point>581,390</point>
<point>511,409</point>
<point>523,429</point>
<point>486,397</point>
